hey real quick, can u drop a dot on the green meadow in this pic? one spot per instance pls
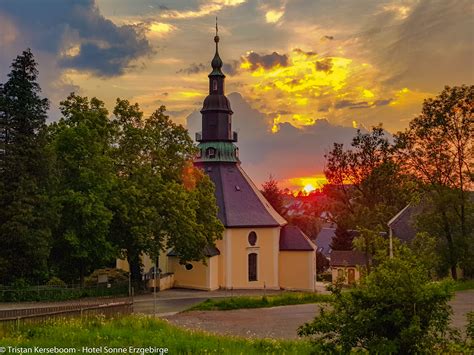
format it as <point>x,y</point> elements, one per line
<point>140,332</point>
<point>285,299</point>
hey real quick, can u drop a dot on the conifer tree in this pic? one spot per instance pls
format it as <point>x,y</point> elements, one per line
<point>26,214</point>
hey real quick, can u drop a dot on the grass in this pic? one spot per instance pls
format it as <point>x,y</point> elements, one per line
<point>462,285</point>
<point>141,331</point>
<point>284,299</point>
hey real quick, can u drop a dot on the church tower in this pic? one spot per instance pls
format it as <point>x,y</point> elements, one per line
<point>217,139</point>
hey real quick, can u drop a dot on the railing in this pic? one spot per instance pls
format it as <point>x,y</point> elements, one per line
<point>106,307</point>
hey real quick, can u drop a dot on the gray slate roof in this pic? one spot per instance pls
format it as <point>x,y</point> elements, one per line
<point>240,203</point>
<point>347,258</point>
<point>403,224</point>
<point>293,239</point>
<point>323,240</point>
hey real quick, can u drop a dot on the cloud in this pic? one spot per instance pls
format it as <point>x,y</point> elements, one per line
<point>324,64</point>
<point>205,8</point>
<point>77,34</point>
<point>289,153</point>
<point>351,104</point>
<point>253,60</point>
<point>193,69</point>
<point>422,44</point>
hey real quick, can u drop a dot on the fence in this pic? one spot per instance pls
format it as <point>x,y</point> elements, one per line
<point>106,307</point>
<point>55,293</point>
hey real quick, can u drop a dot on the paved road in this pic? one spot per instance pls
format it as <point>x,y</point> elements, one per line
<point>177,300</point>
<point>277,322</point>
<point>462,303</point>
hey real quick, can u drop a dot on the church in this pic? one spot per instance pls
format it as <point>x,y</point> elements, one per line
<point>258,248</point>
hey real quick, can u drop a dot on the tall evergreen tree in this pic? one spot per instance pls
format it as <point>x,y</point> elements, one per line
<point>342,239</point>
<point>26,214</point>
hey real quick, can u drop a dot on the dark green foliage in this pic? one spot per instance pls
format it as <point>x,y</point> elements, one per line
<point>26,213</point>
<point>57,293</point>
<point>160,201</point>
<point>81,141</point>
<point>342,239</point>
<point>395,309</point>
<point>366,186</point>
<point>273,194</point>
<point>438,148</point>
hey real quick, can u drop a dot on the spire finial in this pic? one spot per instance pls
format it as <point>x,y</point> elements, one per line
<point>216,61</point>
<point>216,38</point>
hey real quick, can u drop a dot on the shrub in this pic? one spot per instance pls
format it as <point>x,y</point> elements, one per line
<point>114,276</point>
<point>56,282</point>
<point>395,309</point>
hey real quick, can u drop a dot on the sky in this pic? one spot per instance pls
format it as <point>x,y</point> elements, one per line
<point>301,74</point>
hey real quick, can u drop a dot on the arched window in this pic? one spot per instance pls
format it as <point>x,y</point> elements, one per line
<point>214,85</point>
<point>253,267</point>
<point>252,238</point>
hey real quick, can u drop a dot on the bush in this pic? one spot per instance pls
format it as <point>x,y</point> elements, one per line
<point>470,325</point>
<point>114,276</point>
<point>56,281</point>
<point>395,309</point>
<point>324,277</point>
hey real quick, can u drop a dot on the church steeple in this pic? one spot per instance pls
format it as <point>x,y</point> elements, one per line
<point>217,113</point>
<point>217,61</point>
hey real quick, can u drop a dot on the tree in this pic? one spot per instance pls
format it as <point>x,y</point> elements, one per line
<point>82,141</point>
<point>396,309</point>
<point>342,239</point>
<point>160,201</point>
<point>26,213</point>
<point>273,194</point>
<point>438,149</point>
<point>365,184</point>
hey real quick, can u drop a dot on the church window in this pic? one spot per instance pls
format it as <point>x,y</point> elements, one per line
<point>252,238</point>
<point>253,267</point>
<point>214,85</point>
<point>189,266</point>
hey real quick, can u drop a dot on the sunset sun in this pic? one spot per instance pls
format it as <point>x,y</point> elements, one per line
<point>308,188</point>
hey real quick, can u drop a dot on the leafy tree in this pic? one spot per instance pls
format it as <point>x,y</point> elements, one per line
<point>26,213</point>
<point>308,223</point>
<point>396,309</point>
<point>81,141</point>
<point>160,200</point>
<point>426,248</point>
<point>365,184</point>
<point>273,194</point>
<point>438,149</point>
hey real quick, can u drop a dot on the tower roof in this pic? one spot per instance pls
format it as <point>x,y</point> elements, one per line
<point>216,62</point>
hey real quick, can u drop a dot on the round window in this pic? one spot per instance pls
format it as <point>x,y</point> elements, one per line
<point>189,266</point>
<point>252,238</point>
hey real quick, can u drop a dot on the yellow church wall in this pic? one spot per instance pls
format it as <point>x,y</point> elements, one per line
<point>199,277</point>
<point>234,254</point>
<point>122,264</point>
<point>297,270</point>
